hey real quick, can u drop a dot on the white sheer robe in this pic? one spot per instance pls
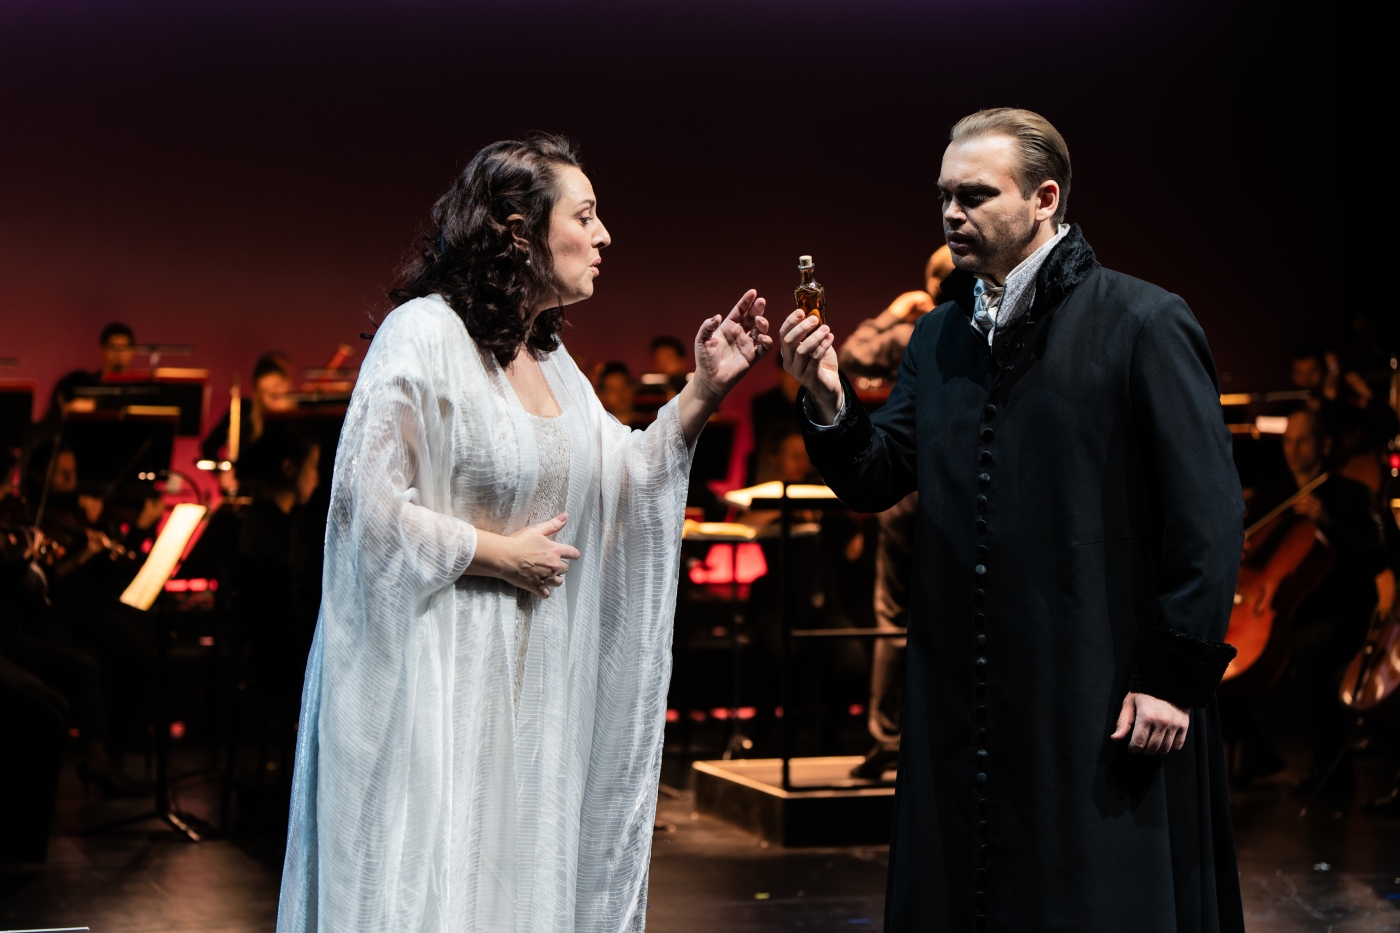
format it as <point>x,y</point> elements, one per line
<point>422,800</point>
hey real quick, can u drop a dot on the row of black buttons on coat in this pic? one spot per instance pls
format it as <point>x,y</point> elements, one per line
<point>979,623</point>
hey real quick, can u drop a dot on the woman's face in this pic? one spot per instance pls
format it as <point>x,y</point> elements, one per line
<point>576,237</point>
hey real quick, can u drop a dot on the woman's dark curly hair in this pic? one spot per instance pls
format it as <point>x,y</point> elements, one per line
<point>469,256</point>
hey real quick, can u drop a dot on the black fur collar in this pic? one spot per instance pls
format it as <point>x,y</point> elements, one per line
<point>1069,263</point>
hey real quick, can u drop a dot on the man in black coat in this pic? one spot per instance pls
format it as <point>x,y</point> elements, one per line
<point>1078,536</point>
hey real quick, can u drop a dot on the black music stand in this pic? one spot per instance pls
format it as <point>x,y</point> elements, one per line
<point>144,593</point>
<point>782,496</point>
<point>183,393</point>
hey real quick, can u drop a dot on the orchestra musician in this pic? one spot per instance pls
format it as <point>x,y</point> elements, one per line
<point>276,584</point>
<point>34,640</point>
<point>116,342</point>
<point>668,359</point>
<point>875,350</point>
<point>772,416</point>
<point>1330,624</point>
<point>617,391</point>
<point>100,559</point>
<point>272,383</point>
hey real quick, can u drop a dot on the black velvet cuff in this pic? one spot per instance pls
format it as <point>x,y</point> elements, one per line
<point>845,442</point>
<point>1179,668</point>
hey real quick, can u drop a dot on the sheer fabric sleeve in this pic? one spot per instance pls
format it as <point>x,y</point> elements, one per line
<point>644,483</point>
<point>392,553</point>
<point>381,505</point>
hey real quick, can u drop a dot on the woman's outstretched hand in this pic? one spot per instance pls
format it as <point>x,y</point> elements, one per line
<point>725,349</point>
<point>530,559</point>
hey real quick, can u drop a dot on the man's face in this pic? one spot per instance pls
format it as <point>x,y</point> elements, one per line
<point>1300,447</point>
<point>616,394</point>
<point>989,225</point>
<point>116,353</point>
<point>1307,374</point>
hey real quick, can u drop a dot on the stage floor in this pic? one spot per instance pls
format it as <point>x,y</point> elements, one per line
<point>705,874</point>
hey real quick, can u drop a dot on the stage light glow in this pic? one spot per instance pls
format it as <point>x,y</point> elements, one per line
<point>728,563</point>
<point>673,715</point>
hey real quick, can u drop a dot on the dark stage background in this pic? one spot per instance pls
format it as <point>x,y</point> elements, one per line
<point>243,176</point>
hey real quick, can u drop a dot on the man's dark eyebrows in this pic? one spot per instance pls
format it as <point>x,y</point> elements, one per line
<point>975,187</point>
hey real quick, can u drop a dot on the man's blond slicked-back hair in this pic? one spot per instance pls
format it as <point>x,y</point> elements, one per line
<point>1043,153</point>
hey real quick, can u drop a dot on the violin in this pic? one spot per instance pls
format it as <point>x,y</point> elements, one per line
<point>1284,559</point>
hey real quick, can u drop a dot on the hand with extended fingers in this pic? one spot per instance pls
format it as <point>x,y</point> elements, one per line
<point>809,356</point>
<point>727,347</point>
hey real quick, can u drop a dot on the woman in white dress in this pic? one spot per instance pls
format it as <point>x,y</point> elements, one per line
<point>480,736</point>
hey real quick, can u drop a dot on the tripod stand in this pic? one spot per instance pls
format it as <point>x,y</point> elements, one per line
<point>179,822</point>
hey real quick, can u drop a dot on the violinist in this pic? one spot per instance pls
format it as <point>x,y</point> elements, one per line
<point>84,584</point>
<point>272,384</point>
<point>1331,623</point>
<point>32,640</point>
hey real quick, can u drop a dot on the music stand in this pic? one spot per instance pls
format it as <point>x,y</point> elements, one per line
<point>180,528</point>
<point>779,495</point>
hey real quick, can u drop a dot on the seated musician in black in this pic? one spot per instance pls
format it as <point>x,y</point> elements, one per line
<point>274,601</point>
<point>32,639</point>
<point>102,555</point>
<point>272,381</point>
<point>1330,624</point>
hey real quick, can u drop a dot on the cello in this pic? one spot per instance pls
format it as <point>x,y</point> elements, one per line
<point>1284,559</point>
<point>1374,674</point>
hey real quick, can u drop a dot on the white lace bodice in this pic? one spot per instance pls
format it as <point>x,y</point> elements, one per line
<point>551,494</point>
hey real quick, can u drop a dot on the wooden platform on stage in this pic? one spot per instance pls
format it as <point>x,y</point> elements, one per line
<point>839,811</point>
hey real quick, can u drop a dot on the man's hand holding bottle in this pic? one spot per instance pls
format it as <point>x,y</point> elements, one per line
<point>809,355</point>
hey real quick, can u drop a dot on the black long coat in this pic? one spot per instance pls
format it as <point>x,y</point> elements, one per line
<point>1078,534</point>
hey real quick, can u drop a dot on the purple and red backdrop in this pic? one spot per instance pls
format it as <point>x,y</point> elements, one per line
<point>247,176</point>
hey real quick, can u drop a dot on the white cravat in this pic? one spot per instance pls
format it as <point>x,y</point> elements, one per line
<point>1006,303</point>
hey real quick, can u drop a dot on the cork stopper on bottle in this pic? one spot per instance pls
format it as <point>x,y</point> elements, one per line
<point>804,262</point>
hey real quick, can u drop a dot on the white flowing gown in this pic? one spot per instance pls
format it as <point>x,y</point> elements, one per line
<point>442,782</point>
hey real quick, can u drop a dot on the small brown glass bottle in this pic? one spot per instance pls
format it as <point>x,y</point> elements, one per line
<point>810,296</point>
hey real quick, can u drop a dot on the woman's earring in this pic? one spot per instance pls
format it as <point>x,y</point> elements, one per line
<point>527,260</point>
